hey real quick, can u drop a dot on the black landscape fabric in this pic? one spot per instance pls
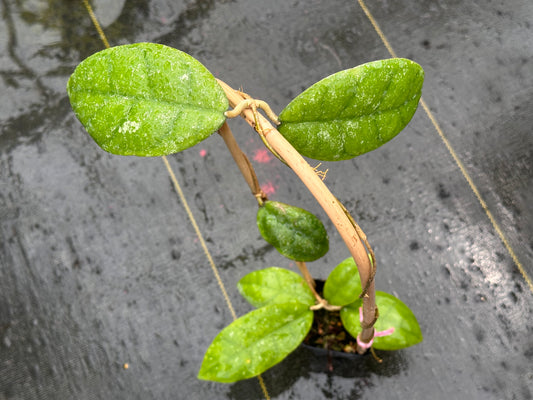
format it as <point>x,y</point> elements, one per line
<point>105,290</point>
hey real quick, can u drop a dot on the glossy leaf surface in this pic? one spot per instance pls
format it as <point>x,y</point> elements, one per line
<point>146,99</point>
<point>343,285</point>
<point>293,231</point>
<point>353,111</point>
<point>274,285</point>
<point>393,313</point>
<point>255,342</point>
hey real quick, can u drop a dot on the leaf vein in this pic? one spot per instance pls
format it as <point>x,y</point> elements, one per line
<point>150,100</point>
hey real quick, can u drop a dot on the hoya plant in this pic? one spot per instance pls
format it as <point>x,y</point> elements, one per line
<point>148,99</point>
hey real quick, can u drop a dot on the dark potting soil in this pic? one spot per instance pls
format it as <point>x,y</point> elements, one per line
<point>327,331</point>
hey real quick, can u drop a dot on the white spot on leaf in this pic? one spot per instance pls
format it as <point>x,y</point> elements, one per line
<point>129,127</point>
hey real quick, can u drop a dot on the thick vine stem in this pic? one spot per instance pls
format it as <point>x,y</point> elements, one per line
<point>327,201</point>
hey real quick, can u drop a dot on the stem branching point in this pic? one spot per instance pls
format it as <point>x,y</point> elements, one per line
<point>253,104</point>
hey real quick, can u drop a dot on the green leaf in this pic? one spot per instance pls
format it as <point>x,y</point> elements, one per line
<point>293,231</point>
<point>146,99</point>
<point>274,285</point>
<point>343,285</point>
<point>353,111</point>
<point>256,342</point>
<point>393,313</point>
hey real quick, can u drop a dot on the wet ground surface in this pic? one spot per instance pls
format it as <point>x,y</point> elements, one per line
<point>100,266</point>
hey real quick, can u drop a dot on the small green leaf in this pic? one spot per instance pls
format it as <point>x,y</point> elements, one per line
<point>146,99</point>
<point>353,111</point>
<point>274,285</point>
<point>256,342</point>
<point>393,313</point>
<point>293,231</point>
<point>343,285</point>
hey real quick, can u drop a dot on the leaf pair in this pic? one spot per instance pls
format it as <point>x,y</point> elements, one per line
<point>343,287</point>
<point>147,99</point>
<point>265,336</point>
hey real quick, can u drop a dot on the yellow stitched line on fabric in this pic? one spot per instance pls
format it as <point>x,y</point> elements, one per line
<point>96,23</point>
<point>456,158</point>
<point>200,236</point>
<point>377,28</point>
<point>185,205</point>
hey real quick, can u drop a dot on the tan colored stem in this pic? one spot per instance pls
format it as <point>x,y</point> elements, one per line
<point>327,201</point>
<point>321,302</point>
<point>307,276</point>
<point>242,162</point>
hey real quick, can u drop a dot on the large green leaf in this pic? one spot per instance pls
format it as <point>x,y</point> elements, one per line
<point>255,342</point>
<point>274,285</point>
<point>393,313</point>
<point>146,99</point>
<point>343,285</point>
<point>293,231</point>
<point>353,111</point>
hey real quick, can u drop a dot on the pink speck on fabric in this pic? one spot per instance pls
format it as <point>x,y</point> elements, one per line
<point>203,153</point>
<point>269,188</point>
<point>262,156</point>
